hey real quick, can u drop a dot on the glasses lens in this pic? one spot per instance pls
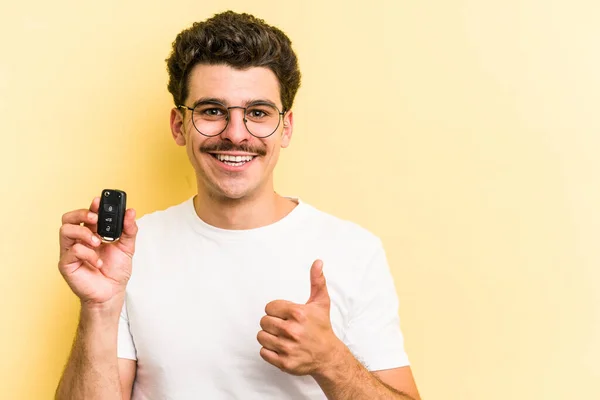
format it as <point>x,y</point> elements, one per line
<point>262,119</point>
<point>209,119</point>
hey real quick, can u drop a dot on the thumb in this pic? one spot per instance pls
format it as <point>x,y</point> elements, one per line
<point>318,285</point>
<point>129,233</point>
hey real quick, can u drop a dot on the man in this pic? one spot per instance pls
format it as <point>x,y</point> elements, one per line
<point>226,297</point>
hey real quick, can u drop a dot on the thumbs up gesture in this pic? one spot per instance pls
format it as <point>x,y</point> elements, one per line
<point>298,338</point>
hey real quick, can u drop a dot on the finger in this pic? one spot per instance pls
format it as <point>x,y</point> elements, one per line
<point>282,309</point>
<point>318,285</point>
<point>271,357</point>
<point>94,207</point>
<point>77,254</point>
<point>68,233</point>
<point>270,342</point>
<point>71,234</point>
<point>77,217</point>
<point>272,325</point>
<point>130,230</point>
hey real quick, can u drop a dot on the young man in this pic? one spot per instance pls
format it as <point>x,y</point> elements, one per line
<point>223,296</point>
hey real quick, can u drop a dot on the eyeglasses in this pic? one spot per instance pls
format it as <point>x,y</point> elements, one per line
<point>211,118</point>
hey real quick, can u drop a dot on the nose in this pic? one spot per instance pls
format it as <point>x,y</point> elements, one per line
<point>236,130</point>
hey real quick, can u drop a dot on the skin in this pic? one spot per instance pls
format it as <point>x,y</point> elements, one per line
<point>98,274</point>
<point>234,200</point>
<point>297,338</point>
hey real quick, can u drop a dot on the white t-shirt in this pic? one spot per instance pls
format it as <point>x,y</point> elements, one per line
<point>197,294</point>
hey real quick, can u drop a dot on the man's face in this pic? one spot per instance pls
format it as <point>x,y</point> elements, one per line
<point>219,177</point>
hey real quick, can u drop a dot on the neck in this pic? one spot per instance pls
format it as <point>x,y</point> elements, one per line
<point>246,213</point>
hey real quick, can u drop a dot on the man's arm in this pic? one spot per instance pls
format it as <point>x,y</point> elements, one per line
<point>127,371</point>
<point>97,273</point>
<point>400,379</point>
<point>349,379</point>
<point>92,372</point>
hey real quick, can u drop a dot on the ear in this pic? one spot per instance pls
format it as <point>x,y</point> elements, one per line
<point>177,126</point>
<point>288,125</point>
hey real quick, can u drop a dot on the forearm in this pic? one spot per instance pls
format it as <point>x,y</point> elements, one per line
<point>92,370</point>
<point>350,380</point>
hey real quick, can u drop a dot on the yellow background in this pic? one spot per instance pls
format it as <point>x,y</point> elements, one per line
<point>464,133</point>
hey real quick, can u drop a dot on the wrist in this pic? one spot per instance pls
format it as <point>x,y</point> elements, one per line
<point>107,311</point>
<point>98,329</point>
<point>338,366</point>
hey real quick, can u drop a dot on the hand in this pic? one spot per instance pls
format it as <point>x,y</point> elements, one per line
<point>298,338</point>
<point>95,271</point>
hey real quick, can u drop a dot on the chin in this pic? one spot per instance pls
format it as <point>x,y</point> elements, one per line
<point>235,193</point>
<point>227,188</point>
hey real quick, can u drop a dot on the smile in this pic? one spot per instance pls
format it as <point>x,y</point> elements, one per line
<point>235,161</point>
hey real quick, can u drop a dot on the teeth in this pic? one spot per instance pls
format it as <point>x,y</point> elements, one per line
<point>235,159</point>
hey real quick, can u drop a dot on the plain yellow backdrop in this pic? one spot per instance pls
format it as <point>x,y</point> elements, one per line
<point>464,133</point>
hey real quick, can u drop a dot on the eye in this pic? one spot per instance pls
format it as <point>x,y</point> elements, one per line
<point>209,111</point>
<point>257,113</point>
<point>260,112</point>
<point>213,112</point>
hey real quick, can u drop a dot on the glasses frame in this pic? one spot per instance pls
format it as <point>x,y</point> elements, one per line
<point>228,117</point>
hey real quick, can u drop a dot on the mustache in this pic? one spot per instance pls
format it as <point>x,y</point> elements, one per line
<point>229,146</point>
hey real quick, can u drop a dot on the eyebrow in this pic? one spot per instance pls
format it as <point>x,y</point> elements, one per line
<point>224,102</point>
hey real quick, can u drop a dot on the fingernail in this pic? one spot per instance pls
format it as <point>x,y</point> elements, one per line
<point>100,262</point>
<point>95,239</point>
<point>92,216</point>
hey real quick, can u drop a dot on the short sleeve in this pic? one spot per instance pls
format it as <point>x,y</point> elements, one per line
<point>373,332</point>
<point>125,345</point>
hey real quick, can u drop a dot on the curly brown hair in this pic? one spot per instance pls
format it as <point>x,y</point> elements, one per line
<point>240,41</point>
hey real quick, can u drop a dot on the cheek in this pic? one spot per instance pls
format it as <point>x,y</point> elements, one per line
<point>192,149</point>
<point>273,153</point>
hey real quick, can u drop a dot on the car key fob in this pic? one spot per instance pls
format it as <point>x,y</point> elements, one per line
<point>111,214</point>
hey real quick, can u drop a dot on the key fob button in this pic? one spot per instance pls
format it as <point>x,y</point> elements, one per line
<point>109,219</point>
<point>109,228</point>
<point>111,208</point>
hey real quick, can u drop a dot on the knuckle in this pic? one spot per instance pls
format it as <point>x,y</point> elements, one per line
<point>289,347</point>
<point>71,231</point>
<point>66,217</point>
<point>77,249</point>
<point>80,250</point>
<point>294,331</point>
<point>284,348</point>
<point>263,322</point>
<point>261,337</point>
<point>298,314</point>
<point>268,307</point>
<point>287,364</point>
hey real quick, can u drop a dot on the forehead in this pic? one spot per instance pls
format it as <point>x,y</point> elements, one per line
<point>236,86</point>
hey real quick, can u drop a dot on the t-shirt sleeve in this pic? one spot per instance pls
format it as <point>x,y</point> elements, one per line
<point>373,332</point>
<point>125,345</point>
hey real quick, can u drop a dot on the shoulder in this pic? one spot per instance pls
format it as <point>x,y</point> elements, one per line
<point>348,233</point>
<point>159,228</point>
<point>164,218</point>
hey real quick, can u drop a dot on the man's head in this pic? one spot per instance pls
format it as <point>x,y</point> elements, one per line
<point>216,67</point>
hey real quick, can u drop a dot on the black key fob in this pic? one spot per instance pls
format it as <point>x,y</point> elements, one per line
<point>111,214</point>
